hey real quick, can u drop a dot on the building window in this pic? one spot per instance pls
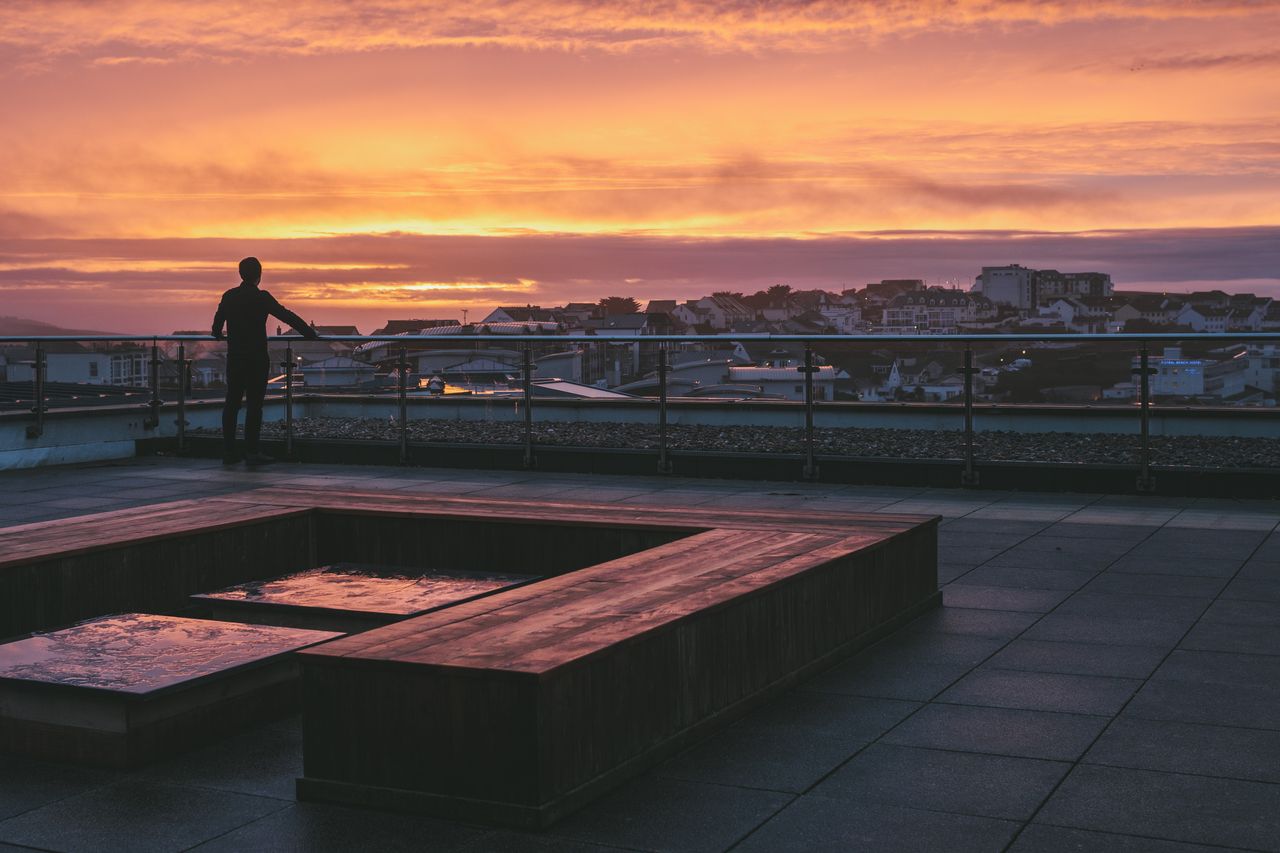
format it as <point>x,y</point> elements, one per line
<point>93,368</point>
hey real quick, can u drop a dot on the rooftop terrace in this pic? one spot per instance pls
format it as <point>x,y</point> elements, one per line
<point>1104,674</point>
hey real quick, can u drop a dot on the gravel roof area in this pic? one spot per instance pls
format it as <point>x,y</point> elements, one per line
<point>1101,448</point>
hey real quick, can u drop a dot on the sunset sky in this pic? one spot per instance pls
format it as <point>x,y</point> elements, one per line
<point>399,159</point>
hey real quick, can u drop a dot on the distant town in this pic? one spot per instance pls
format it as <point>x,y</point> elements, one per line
<point>1011,299</point>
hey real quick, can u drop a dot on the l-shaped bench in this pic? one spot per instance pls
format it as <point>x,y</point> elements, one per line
<point>656,625</point>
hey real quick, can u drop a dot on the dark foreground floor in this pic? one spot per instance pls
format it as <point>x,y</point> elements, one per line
<point>1105,676</point>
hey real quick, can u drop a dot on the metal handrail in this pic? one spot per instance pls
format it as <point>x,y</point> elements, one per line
<point>969,474</point>
<point>725,337</point>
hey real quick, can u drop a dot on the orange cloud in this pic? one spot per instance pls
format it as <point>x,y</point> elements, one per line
<point>135,31</point>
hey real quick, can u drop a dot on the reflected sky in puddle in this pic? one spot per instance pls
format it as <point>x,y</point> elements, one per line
<point>370,589</point>
<point>138,652</point>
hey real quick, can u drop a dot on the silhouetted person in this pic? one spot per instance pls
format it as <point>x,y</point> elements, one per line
<point>244,311</point>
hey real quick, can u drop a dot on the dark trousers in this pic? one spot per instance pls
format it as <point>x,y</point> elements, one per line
<point>247,378</point>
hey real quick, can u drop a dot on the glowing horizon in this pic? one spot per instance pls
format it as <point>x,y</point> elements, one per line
<point>714,134</point>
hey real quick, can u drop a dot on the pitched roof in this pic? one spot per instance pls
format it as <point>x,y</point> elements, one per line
<point>412,327</point>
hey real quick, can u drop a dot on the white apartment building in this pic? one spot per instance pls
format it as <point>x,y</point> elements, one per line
<point>1013,285</point>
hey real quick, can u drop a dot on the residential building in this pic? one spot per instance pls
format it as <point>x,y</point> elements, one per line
<point>719,311</point>
<point>518,314</point>
<point>1051,284</point>
<point>936,311</point>
<point>1012,284</point>
<point>1025,289</point>
<point>1204,317</point>
<point>413,327</point>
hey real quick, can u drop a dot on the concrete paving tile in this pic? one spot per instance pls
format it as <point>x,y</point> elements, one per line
<point>965,554</point>
<point>1269,548</point>
<point>1132,533</point>
<point>1229,520</point>
<point>1254,706</point>
<point>14,515</point>
<point>1222,637</point>
<point>869,490</point>
<point>1251,589</point>
<point>1168,607</point>
<point>1002,598</point>
<point>11,497</point>
<point>946,509</point>
<point>938,780</point>
<point>1023,558</point>
<point>952,541</point>
<point>1042,691</point>
<point>1212,567</point>
<point>657,813</point>
<point>1202,750</point>
<point>947,572</point>
<point>1023,578</point>
<point>831,714</point>
<point>994,624</point>
<point>911,648</point>
<point>1075,545</point>
<point>331,829</point>
<point>266,762</point>
<point>1108,630</point>
<point>1168,805</point>
<point>26,784</point>
<point>888,679</point>
<point>999,731</point>
<point>1134,584</point>
<point>790,743</point>
<point>135,815</point>
<point>1200,548</point>
<point>997,529</point>
<point>1078,658</point>
<point>822,825</point>
<point>770,758</point>
<point>1261,613</point>
<point>1025,512</point>
<point>1145,501</point>
<point>83,502</point>
<point>1039,838</point>
<point>1263,570</point>
<point>1132,517</point>
<point>1234,540</point>
<point>1220,668</point>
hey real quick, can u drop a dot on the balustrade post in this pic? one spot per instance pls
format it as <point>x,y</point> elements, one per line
<point>810,465</point>
<point>181,423</point>
<point>527,383</point>
<point>402,389</point>
<point>969,476</point>
<point>288,400</point>
<point>664,461</point>
<point>1146,482</point>
<point>37,429</point>
<point>153,419</point>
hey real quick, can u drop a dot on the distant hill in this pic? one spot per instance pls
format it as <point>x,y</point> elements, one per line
<point>22,326</point>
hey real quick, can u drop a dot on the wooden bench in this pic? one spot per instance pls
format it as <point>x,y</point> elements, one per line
<point>518,708</point>
<point>656,625</point>
<point>147,559</point>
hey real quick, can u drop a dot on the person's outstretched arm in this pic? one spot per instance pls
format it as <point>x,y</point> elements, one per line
<point>281,313</point>
<point>219,320</point>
